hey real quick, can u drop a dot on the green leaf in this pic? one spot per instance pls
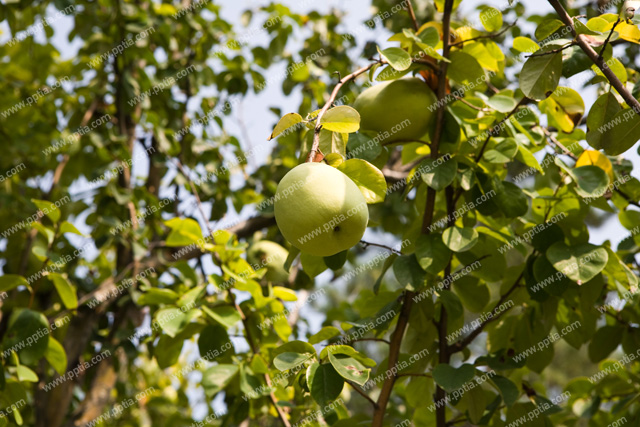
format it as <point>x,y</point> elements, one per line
<point>284,294</point>
<point>12,281</point>
<point>67,227</point>
<point>439,175</point>
<point>525,44</point>
<point>346,350</point>
<point>367,177</point>
<point>332,143</point>
<point>213,342</point>
<point>452,303</point>
<point>66,291</point>
<point>460,239</point>
<point>295,347</point>
<point>579,263</point>
<point>473,293</point>
<point>511,199</point>
<point>583,29</point>
<point>504,152</point>
<point>363,145</point>
<point>156,296</point>
<point>289,360</point>
<point>432,254</point>
<point>324,383</point>
<point>172,320</point>
<point>27,325</point>
<point>508,389</point>
<point>191,297</point>
<point>465,69</point>
<point>324,334</point>
<point>526,157</point>
<point>564,108</point>
<point>167,351</point>
<point>604,342</point>
<point>25,374</point>
<point>548,27</point>
<point>491,19</point>
<point>48,208</point>
<point>540,75</point>
<point>602,111</point>
<point>502,103</point>
<point>349,368</point>
<point>184,232</point>
<point>408,272</point>
<point>56,356</point>
<point>476,402</point>
<point>342,119</point>
<point>312,265</point>
<point>286,122</point>
<point>617,135</point>
<point>450,378</point>
<point>226,315</point>
<point>398,58</point>
<point>591,181</point>
<point>216,378</point>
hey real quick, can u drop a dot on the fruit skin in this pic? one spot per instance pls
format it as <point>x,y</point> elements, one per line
<point>320,210</point>
<point>272,256</point>
<point>389,104</point>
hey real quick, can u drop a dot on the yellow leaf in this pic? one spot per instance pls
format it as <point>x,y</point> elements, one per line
<point>596,158</point>
<point>628,32</point>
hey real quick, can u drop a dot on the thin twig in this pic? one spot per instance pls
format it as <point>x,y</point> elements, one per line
<point>462,344</point>
<point>362,393</point>
<point>468,104</point>
<point>494,130</point>
<point>378,245</point>
<point>584,45</point>
<point>371,339</point>
<point>330,101</point>
<point>604,45</point>
<point>486,36</point>
<point>551,52</point>
<point>412,15</point>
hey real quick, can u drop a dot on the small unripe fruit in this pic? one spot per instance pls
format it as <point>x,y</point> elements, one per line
<point>272,256</point>
<point>401,109</point>
<point>320,210</point>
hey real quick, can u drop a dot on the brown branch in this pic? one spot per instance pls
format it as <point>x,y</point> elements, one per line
<point>486,36</point>
<point>362,393</point>
<point>330,101</point>
<point>604,45</point>
<point>256,350</point>
<point>403,319</point>
<point>394,353</point>
<point>378,245</point>
<point>412,15</point>
<point>551,52</point>
<point>599,61</point>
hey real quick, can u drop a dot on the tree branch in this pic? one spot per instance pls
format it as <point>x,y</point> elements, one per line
<point>598,60</point>
<point>330,101</point>
<point>398,333</point>
<point>412,15</point>
<point>362,393</point>
<point>486,36</point>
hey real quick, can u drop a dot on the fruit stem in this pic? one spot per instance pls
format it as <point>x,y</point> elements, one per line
<point>330,101</point>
